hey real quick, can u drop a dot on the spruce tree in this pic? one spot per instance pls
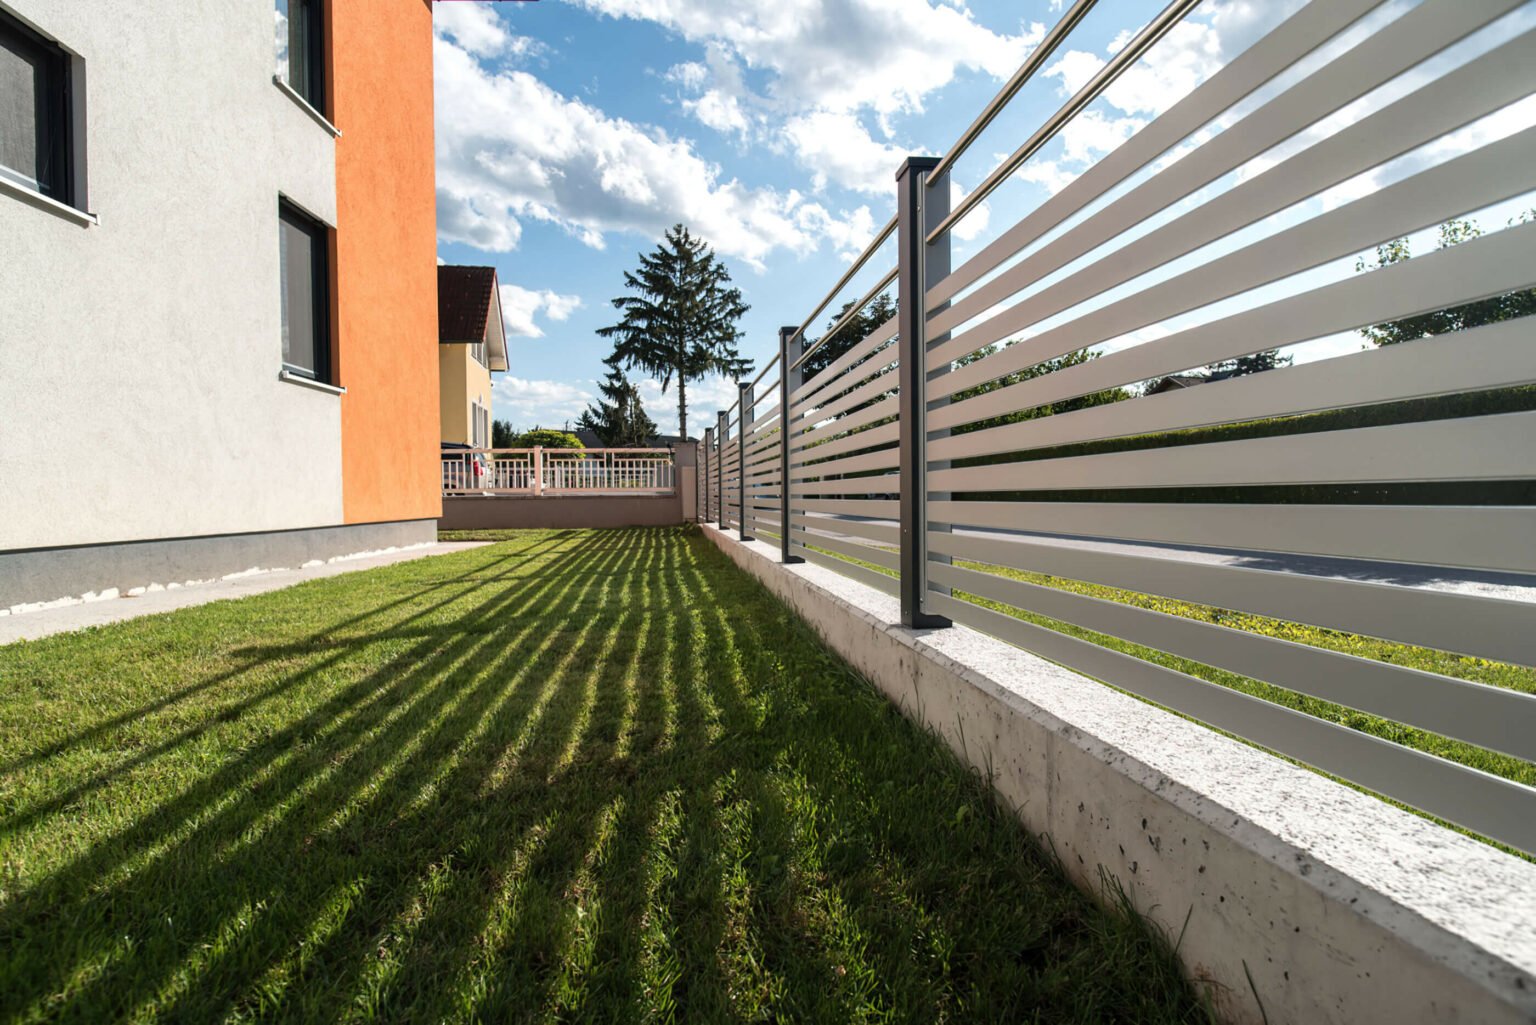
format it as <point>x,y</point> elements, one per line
<point>619,420</point>
<point>859,327</point>
<point>679,320</point>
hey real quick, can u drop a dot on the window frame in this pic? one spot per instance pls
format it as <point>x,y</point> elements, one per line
<point>54,111</point>
<point>313,92</point>
<point>319,234</point>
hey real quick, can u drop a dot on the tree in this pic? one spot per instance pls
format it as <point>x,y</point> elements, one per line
<point>880,309</point>
<point>502,434</point>
<point>1269,359</point>
<point>680,319</point>
<point>542,437</point>
<point>1453,318</point>
<point>620,421</point>
<point>1050,366</point>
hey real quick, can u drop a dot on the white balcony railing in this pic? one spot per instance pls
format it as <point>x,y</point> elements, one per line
<point>553,472</point>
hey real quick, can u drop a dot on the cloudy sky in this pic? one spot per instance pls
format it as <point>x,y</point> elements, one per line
<point>572,133</point>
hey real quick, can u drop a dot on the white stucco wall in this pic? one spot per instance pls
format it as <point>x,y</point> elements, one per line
<point>139,395</point>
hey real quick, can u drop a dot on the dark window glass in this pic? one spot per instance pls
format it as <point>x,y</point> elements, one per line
<point>34,111</point>
<point>306,294</point>
<point>299,49</point>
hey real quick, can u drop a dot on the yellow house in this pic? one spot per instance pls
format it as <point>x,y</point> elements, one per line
<point>471,343</point>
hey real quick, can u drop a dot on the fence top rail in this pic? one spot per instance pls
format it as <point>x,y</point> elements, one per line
<point>570,452</point>
<point>1032,63</point>
<point>857,265</point>
<point>1117,65</point>
<point>853,311</point>
<point>764,372</point>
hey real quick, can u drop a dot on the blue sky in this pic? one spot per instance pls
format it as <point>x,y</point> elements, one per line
<point>571,133</point>
<point>781,123</point>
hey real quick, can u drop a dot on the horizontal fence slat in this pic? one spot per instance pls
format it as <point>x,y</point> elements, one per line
<point>868,577</point>
<point>830,374</point>
<point>1439,107</point>
<point>882,484</point>
<point>875,509</point>
<point>1493,628</point>
<point>1498,447</point>
<point>1491,717</point>
<point>1482,357</point>
<point>848,549</point>
<point>884,533</point>
<point>884,434</point>
<point>1486,175</point>
<point>1497,808</point>
<point>1490,537</point>
<point>884,459</point>
<point>1292,39</point>
<point>881,409</point>
<point>879,384</point>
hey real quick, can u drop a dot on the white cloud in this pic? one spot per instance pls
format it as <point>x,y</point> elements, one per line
<point>1190,53</point>
<point>973,224</point>
<point>827,65</point>
<point>719,110</point>
<point>836,146</point>
<point>886,55</point>
<point>706,397</point>
<point>519,306</point>
<point>848,233</point>
<point>529,403</point>
<point>477,28</point>
<point>510,148</point>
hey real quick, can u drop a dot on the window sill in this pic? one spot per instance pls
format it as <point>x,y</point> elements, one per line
<point>47,203</point>
<point>319,118</point>
<point>310,382</point>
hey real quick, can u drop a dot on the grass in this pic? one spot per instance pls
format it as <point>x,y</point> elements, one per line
<point>576,776</point>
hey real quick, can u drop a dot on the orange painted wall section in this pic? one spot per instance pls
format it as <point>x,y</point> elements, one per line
<point>386,258</point>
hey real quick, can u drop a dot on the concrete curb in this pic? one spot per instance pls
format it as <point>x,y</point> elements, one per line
<point>27,626</point>
<point>1306,901</point>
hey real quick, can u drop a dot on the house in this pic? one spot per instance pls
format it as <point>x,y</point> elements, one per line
<point>1177,382</point>
<point>217,271</point>
<point>590,439</point>
<point>471,342</point>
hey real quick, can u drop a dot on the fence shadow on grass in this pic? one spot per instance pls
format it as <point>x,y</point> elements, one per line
<point>620,784</point>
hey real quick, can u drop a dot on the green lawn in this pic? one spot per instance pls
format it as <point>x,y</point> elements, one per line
<point>575,776</point>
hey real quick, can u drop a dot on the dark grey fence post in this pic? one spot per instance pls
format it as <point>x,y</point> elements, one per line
<point>709,444</point>
<point>743,431</point>
<point>936,267</point>
<point>911,249</point>
<point>724,519</point>
<point>790,378</point>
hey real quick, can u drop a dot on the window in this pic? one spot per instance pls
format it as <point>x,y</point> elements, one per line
<point>300,49</point>
<point>304,251</point>
<point>34,111</point>
<point>480,426</point>
<point>477,350</point>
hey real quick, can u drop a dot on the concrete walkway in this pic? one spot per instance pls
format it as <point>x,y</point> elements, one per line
<point>25,626</point>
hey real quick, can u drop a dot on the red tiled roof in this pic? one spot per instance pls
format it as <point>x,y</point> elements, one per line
<point>464,296</point>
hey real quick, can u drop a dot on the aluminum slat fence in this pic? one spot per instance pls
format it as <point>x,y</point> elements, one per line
<point>553,472</point>
<point>1084,439</point>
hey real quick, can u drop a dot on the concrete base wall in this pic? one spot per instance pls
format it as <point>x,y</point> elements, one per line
<point>511,512</point>
<point>1295,899</point>
<point>47,576</point>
